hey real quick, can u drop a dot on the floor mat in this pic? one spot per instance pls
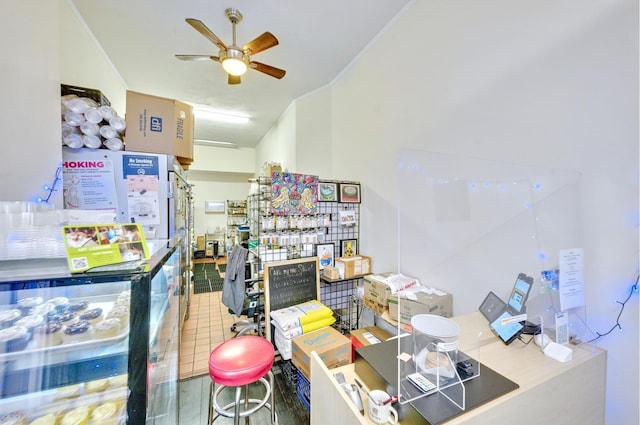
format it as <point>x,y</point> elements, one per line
<point>206,278</point>
<point>222,268</point>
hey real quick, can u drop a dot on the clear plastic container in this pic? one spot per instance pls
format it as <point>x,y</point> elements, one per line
<point>93,142</point>
<point>73,140</point>
<point>107,112</point>
<point>93,115</point>
<point>89,128</point>
<point>73,118</point>
<point>435,344</point>
<point>118,124</point>
<point>108,132</point>
<point>114,144</point>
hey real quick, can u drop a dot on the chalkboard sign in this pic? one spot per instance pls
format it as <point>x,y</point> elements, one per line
<point>288,283</point>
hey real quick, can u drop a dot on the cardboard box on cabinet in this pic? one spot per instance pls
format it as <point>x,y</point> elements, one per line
<point>159,125</point>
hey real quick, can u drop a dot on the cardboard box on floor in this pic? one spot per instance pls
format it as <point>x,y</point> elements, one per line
<point>367,336</point>
<point>333,348</point>
<point>441,305</point>
<point>158,125</point>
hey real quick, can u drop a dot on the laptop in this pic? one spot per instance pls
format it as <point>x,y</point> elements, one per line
<point>495,310</point>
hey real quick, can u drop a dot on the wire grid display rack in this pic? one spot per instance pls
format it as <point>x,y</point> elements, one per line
<point>273,237</point>
<point>278,238</point>
<point>341,297</point>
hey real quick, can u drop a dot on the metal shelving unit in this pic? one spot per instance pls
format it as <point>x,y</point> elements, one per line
<point>280,237</point>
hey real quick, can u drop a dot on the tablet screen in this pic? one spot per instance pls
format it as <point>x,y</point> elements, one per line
<point>507,332</point>
<point>519,294</point>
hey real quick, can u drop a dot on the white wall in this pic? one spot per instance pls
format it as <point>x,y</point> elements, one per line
<point>30,76</point>
<point>83,62</point>
<point>539,84</point>
<point>218,174</point>
<point>279,144</point>
<point>313,130</point>
<point>223,160</point>
<point>216,187</point>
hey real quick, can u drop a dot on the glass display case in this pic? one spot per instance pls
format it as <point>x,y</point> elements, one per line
<point>94,346</point>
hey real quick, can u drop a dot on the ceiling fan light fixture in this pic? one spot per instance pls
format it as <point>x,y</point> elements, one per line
<point>234,61</point>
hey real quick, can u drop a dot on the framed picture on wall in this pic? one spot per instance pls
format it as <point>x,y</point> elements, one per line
<point>327,192</point>
<point>324,252</point>
<point>348,247</point>
<point>349,192</point>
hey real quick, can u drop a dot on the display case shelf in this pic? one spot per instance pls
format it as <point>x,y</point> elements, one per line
<point>135,367</point>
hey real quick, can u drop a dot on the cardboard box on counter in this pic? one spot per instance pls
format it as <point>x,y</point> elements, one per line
<point>159,125</point>
<point>376,291</point>
<point>333,348</point>
<point>353,266</point>
<point>441,305</point>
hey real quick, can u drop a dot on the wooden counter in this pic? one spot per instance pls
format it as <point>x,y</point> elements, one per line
<point>550,392</point>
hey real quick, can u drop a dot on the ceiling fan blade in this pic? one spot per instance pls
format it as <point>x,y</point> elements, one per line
<point>260,43</point>
<point>204,30</point>
<point>268,69</point>
<point>233,79</point>
<point>196,57</point>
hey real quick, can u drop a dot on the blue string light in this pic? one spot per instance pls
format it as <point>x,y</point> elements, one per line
<point>634,290</point>
<point>51,188</point>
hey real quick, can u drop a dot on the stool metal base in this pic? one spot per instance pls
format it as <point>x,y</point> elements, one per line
<point>234,409</point>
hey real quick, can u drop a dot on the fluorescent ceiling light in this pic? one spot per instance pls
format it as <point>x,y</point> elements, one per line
<point>209,114</point>
<point>220,144</point>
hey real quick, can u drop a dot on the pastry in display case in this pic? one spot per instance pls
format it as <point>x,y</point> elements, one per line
<point>90,348</point>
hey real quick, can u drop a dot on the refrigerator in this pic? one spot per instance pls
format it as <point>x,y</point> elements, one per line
<point>134,187</point>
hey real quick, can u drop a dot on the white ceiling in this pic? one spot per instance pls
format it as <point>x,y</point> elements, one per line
<point>317,41</point>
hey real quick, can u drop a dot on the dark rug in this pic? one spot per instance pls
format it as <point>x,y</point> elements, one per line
<point>222,268</point>
<point>206,278</point>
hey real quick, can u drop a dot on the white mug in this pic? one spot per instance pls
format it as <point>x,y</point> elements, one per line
<point>378,412</point>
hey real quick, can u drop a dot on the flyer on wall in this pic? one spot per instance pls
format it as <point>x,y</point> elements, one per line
<point>90,246</point>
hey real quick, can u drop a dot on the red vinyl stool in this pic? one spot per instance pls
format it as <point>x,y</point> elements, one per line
<point>239,362</point>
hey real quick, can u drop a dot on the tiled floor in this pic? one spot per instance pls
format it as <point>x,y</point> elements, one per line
<point>208,325</point>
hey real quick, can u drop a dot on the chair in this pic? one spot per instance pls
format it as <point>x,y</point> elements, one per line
<point>238,363</point>
<point>253,308</point>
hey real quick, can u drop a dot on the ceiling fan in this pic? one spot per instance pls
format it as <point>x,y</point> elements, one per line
<point>236,60</point>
